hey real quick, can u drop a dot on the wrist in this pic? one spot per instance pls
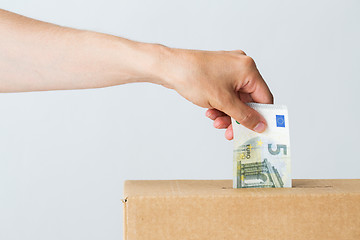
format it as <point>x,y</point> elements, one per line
<point>171,65</point>
<point>160,65</point>
<point>156,58</point>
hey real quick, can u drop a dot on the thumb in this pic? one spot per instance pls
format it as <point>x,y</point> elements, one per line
<point>246,116</point>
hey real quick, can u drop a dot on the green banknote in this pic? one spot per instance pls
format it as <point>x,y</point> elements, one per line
<point>262,160</point>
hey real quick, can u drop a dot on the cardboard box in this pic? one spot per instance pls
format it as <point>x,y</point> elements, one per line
<point>213,210</point>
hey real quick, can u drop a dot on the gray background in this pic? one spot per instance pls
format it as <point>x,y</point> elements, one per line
<point>64,155</point>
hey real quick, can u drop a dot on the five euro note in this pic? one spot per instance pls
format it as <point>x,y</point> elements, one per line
<point>262,160</point>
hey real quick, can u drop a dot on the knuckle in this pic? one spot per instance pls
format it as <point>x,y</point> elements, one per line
<point>240,52</point>
<point>248,61</point>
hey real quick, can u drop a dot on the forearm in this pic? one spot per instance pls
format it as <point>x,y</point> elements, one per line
<point>37,56</point>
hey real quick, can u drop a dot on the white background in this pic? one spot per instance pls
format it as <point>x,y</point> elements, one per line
<point>64,155</point>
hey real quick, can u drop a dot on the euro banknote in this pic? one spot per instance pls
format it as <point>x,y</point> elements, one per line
<point>262,160</point>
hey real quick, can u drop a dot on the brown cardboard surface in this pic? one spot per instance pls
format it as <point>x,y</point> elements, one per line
<point>211,209</point>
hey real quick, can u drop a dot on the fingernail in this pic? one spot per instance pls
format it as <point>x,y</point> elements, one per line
<point>260,127</point>
<point>208,114</point>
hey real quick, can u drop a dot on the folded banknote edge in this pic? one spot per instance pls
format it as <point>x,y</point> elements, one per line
<point>266,106</point>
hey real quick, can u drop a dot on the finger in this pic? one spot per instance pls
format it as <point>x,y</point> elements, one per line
<point>245,97</point>
<point>222,122</point>
<point>229,135</point>
<point>245,115</point>
<point>258,89</point>
<point>214,113</point>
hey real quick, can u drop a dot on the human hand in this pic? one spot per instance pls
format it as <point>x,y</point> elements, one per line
<point>222,81</point>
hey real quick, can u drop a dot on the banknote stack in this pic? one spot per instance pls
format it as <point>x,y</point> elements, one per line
<point>262,160</point>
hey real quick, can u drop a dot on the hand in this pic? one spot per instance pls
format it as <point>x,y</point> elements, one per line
<point>222,81</point>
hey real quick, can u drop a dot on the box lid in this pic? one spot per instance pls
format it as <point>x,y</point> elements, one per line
<point>155,188</point>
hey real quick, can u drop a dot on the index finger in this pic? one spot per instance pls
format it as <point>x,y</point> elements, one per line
<point>261,92</point>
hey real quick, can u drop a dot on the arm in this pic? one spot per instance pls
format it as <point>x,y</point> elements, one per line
<point>36,56</point>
